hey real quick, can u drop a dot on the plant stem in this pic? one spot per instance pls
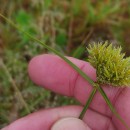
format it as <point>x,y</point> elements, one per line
<point>87,103</point>
<point>15,87</point>
<point>111,106</point>
<point>52,50</point>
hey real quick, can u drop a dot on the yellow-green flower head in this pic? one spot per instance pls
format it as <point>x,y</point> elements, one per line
<point>111,66</point>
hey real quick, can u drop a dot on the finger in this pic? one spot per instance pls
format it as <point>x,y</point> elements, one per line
<point>45,119</point>
<point>53,73</point>
<point>70,124</point>
<point>123,107</point>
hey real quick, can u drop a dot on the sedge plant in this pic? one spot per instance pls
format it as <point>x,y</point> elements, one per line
<point>112,69</point>
<point>94,59</point>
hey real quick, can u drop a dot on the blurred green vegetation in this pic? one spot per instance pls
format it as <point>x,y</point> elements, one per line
<point>66,25</point>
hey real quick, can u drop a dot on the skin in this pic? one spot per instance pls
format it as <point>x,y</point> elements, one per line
<point>56,75</point>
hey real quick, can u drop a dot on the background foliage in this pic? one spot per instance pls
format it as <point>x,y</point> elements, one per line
<point>66,25</point>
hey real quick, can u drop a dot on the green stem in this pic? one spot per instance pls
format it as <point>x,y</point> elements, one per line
<point>88,103</point>
<point>111,106</point>
<point>52,50</point>
<point>15,87</point>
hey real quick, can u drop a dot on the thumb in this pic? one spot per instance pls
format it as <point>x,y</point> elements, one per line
<point>70,124</point>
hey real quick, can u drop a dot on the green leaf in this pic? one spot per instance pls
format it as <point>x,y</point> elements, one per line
<point>78,52</point>
<point>61,39</point>
<point>23,18</point>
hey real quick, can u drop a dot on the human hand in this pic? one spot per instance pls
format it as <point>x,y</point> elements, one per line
<point>56,75</point>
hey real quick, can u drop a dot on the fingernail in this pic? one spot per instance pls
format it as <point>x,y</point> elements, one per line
<point>70,124</point>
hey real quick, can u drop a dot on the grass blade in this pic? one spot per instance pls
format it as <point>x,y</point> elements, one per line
<point>20,97</point>
<point>111,106</point>
<point>52,50</point>
<point>88,103</point>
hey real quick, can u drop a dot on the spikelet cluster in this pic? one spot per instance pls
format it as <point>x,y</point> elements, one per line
<point>111,66</point>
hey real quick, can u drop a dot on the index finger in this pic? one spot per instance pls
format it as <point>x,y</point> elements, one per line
<point>55,74</point>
